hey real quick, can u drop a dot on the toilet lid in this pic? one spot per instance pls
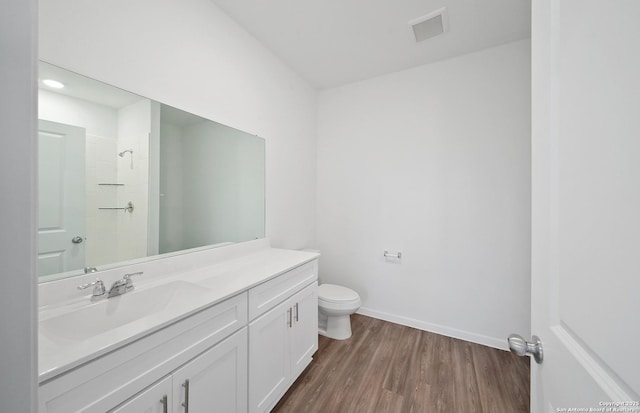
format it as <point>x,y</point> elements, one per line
<point>336,293</point>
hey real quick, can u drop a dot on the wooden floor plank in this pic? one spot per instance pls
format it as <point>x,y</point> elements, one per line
<point>399,373</point>
<point>385,367</point>
<point>466,397</point>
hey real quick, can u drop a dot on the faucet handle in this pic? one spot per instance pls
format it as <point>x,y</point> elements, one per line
<point>129,281</point>
<point>98,288</point>
<point>133,274</point>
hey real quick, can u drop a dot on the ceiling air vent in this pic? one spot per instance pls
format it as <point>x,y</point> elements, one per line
<point>429,26</point>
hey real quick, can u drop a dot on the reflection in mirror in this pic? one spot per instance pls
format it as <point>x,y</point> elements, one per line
<point>211,182</point>
<point>122,178</point>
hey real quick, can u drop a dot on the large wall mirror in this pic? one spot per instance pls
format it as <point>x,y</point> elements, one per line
<point>123,178</point>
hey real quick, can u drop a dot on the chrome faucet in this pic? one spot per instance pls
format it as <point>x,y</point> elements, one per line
<point>118,288</point>
<point>122,286</point>
<point>99,291</point>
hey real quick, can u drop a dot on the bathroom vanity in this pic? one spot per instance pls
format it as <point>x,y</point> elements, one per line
<point>225,330</point>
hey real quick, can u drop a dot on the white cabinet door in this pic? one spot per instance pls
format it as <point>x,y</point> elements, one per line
<point>215,381</point>
<point>155,399</point>
<point>269,357</point>
<point>282,342</point>
<point>304,333</point>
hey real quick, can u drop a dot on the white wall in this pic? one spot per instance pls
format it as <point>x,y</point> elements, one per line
<point>433,162</point>
<point>190,55</point>
<point>18,111</point>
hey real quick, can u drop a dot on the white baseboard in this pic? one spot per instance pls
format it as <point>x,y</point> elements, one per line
<point>499,343</point>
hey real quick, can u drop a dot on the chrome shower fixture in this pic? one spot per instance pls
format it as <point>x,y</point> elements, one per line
<point>121,154</point>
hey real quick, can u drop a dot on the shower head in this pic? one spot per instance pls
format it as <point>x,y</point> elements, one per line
<point>121,154</point>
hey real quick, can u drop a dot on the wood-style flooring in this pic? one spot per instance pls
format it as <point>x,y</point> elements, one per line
<point>386,367</point>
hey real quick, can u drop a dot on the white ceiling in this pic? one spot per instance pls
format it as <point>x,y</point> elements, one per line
<point>334,42</point>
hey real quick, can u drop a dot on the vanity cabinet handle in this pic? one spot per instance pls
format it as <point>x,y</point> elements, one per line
<point>165,405</point>
<point>290,314</point>
<point>185,404</point>
<point>297,312</point>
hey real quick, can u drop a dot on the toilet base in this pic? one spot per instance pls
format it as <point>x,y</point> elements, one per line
<point>338,327</point>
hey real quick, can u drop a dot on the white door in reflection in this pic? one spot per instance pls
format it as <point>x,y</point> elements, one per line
<point>61,191</point>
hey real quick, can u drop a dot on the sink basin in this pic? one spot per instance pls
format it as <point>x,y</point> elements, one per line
<point>114,313</point>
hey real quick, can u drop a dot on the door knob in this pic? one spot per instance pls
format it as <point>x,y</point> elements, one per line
<point>76,240</point>
<point>521,347</point>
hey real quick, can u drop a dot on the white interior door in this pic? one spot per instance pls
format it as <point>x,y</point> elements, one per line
<point>61,197</point>
<point>586,204</point>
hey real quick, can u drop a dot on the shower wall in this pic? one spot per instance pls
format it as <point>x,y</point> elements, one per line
<point>134,127</point>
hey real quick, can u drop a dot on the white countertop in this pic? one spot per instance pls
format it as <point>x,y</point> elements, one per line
<point>204,286</point>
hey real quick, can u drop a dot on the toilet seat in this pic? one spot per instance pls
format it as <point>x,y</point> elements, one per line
<point>336,296</point>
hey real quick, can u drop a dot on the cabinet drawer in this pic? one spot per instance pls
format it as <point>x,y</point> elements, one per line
<point>269,294</point>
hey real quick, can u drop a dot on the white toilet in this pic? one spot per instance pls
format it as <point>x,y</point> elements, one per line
<point>335,306</point>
